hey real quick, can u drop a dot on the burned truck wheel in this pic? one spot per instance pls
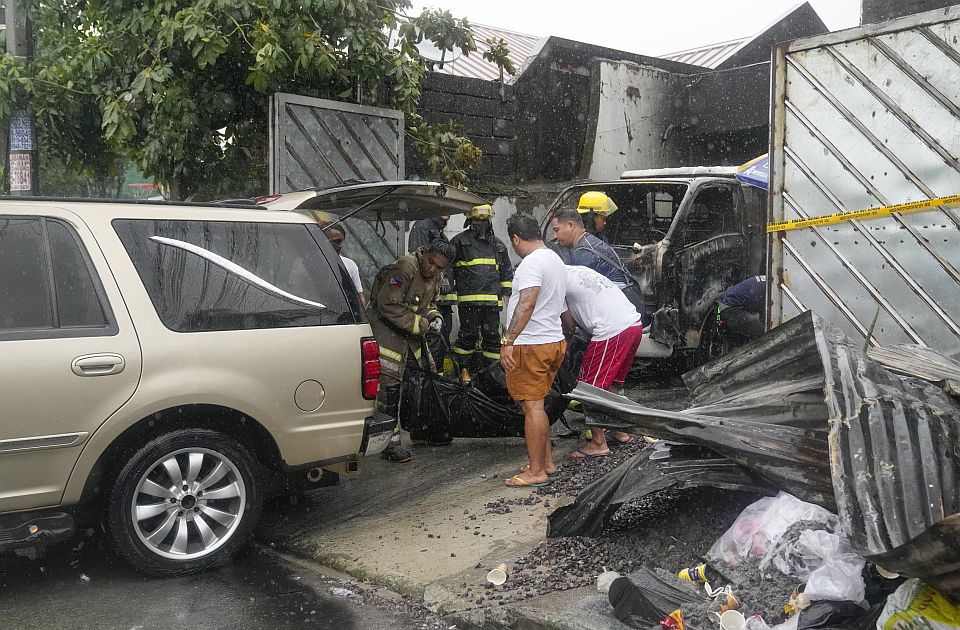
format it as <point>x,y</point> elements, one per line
<point>185,502</point>
<point>714,343</point>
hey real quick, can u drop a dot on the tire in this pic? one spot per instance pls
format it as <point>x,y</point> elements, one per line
<point>180,529</point>
<point>715,343</point>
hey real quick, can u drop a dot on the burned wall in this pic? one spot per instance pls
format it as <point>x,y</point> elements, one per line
<point>488,118</point>
<point>632,108</point>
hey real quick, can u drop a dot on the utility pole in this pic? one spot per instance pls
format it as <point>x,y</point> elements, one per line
<point>21,162</point>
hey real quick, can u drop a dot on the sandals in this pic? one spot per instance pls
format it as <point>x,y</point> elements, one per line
<point>580,454</point>
<point>549,474</point>
<point>630,440</point>
<point>520,482</point>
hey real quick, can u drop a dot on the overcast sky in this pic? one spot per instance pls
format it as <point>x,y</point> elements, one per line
<point>642,26</point>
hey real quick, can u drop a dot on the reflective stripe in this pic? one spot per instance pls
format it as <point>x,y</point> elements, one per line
<point>492,355</point>
<point>506,285</point>
<point>416,324</point>
<point>479,298</point>
<point>477,261</point>
<point>459,350</point>
<point>448,296</point>
<point>417,353</point>
<point>390,354</point>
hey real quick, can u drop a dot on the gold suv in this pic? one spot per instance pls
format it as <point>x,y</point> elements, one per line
<point>160,363</point>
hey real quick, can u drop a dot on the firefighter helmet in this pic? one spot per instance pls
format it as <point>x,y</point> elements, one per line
<point>482,212</point>
<point>596,202</point>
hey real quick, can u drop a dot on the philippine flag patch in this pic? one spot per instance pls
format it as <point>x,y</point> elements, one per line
<point>396,282</point>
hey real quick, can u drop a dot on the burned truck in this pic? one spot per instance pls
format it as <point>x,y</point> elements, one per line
<point>685,235</point>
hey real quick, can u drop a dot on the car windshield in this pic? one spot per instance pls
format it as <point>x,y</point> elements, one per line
<point>644,210</point>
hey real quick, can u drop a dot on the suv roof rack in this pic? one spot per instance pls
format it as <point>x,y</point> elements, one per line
<point>248,204</point>
<point>687,171</point>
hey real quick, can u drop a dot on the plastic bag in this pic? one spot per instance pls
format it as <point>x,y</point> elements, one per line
<point>644,598</point>
<point>761,525</point>
<point>916,605</point>
<point>840,575</point>
<point>822,559</point>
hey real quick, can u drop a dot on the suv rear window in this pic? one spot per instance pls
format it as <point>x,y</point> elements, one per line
<point>221,275</point>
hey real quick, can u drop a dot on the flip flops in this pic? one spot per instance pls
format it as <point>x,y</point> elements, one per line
<point>520,482</point>
<point>549,474</point>
<point>580,454</point>
<point>611,439</point>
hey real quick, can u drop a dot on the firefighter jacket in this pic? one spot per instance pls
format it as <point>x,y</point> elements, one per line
<point>482,270</point>
<point>401,304</point>
<point>424,232</point>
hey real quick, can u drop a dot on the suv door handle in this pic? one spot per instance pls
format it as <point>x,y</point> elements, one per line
<point>103,364</point>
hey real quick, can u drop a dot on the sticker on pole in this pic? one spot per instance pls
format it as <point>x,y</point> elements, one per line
<point>21,131</point>
<point>19,172</point>
<point>868,213</point>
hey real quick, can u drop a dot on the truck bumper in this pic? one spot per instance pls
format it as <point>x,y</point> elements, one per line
<point>26,529</point>
<point>377,431</point>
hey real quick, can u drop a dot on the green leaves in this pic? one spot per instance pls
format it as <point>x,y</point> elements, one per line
<point>181,87</point>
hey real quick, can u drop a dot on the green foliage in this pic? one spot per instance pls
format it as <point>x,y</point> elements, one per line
<point>445,150</point>
<point>499,53</point>
<point>181,87</point>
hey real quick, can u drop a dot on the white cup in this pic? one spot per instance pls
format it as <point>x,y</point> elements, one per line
<point>732,620</point>
<point>498,575</point>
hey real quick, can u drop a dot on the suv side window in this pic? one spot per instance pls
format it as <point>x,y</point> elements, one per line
<point>713,212</point>
<point>227,275</point>
<point>48,287</point>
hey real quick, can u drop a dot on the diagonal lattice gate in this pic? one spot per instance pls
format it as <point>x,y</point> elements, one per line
<point>316,143</point>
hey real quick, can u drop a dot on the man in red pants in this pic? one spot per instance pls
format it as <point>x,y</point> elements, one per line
<point>599,307</point>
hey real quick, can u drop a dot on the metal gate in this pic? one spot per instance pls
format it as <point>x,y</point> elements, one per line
<point>861,119</point>
<point>317,144</point>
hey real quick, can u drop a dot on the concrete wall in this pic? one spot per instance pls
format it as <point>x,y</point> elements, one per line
<point>487,119</point>
<point>632,108</point>
<point>872,11</point>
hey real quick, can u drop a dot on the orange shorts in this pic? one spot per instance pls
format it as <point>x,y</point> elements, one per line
<point>537,366</point>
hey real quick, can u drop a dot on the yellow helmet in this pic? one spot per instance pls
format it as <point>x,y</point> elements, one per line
<point>596,202</point>
<point>482,212</point>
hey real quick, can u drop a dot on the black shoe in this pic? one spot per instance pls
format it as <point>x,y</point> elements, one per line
<point>397,454</point>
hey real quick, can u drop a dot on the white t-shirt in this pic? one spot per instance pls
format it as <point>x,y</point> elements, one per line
<point>541,268</point>
<point>597,304</point>
<point>354,272</point>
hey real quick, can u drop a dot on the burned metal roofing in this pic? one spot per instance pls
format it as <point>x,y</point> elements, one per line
<point>521,47</point>
<point>805,409</point>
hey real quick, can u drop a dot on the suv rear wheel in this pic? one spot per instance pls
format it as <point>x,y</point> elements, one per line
<point>185,502</point>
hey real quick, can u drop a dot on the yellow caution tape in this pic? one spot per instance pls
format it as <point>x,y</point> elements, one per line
<point>869,213</point>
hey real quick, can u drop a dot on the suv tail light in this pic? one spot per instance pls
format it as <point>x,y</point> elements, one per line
<point>370,370</point>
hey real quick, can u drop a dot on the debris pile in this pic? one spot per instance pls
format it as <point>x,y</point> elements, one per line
<point>865,454</point>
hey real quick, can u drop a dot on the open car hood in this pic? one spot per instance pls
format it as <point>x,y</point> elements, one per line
<point>403,200</point>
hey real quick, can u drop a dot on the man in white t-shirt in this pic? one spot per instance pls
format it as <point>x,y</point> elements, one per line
<point>336,236</point>
<point>601,309</point>
<point>532,348</point>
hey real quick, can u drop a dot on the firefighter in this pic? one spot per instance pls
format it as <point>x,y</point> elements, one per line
<point>424,232</point>
<point>402,309</point>
<point>483,280</point>
<point>595,208</point>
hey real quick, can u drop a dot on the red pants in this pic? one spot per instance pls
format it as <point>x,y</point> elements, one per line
<point>607,362</point>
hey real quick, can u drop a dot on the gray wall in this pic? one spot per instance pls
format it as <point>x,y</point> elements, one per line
<point>872,11</point>
<point>488,120</point>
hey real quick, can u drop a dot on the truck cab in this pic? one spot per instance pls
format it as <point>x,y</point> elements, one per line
<point>686,235</point>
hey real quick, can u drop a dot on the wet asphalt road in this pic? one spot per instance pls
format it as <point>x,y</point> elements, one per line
<point>85,586</point>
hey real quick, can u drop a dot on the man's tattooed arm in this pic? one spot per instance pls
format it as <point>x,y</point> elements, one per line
<point>522,313</point>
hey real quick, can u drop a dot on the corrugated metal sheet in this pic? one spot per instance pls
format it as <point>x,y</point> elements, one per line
<point>892,469</point>
<point>709,56</point>
<point>316,143</point>
<point>521,47</point>
<point>864,119</point>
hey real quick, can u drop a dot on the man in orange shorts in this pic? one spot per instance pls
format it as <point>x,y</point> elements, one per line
<point>532,348</point>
